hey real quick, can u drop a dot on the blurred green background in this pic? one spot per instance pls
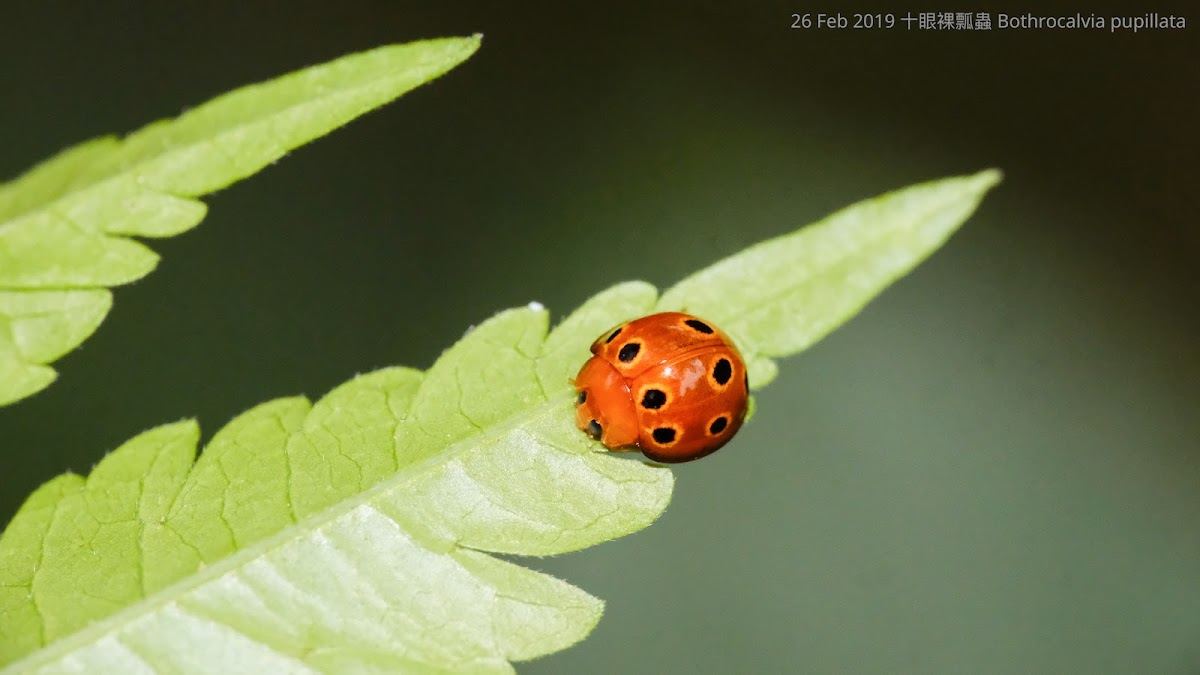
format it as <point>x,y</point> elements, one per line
<point>994,468</point>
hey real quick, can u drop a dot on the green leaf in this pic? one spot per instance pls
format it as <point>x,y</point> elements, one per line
<point>341,535</point>
<point>66,225</point>
<point>353,534</point>
<point>780,296</point>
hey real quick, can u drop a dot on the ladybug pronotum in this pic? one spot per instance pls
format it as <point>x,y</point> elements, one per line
<point>670,384</point>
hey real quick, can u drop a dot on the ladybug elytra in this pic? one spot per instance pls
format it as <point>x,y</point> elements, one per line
<point>669,384</point>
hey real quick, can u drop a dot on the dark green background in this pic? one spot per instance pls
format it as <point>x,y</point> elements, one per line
<point>995,468</point>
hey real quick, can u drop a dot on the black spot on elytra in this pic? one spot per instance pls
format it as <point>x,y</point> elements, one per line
<point>582,398</point>
<point>629,352</point>
<point>700,326</point>
<point>614,335</point>
<point>654,399</point>
<point>663,435</point>
<point>746,380</point>
<point>722,371</point>
<point>718,425</point>
<point>594,429</point>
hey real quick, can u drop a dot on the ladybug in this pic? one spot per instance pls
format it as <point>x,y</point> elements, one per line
<point>670,384</point>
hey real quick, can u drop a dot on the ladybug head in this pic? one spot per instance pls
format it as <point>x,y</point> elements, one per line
<point>603,408</point>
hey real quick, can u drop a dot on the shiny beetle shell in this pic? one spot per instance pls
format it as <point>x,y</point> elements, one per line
<point>670,384</point>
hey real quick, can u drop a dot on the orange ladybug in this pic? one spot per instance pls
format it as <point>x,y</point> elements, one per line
<point>670,384</point>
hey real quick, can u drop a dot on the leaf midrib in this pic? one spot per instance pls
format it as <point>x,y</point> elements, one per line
<point>94,632</point>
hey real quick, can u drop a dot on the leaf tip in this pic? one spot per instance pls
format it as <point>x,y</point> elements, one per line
<point>35,378</point>
<point>465,46</point>
<point>187,427</point>
<point>987,179</point>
